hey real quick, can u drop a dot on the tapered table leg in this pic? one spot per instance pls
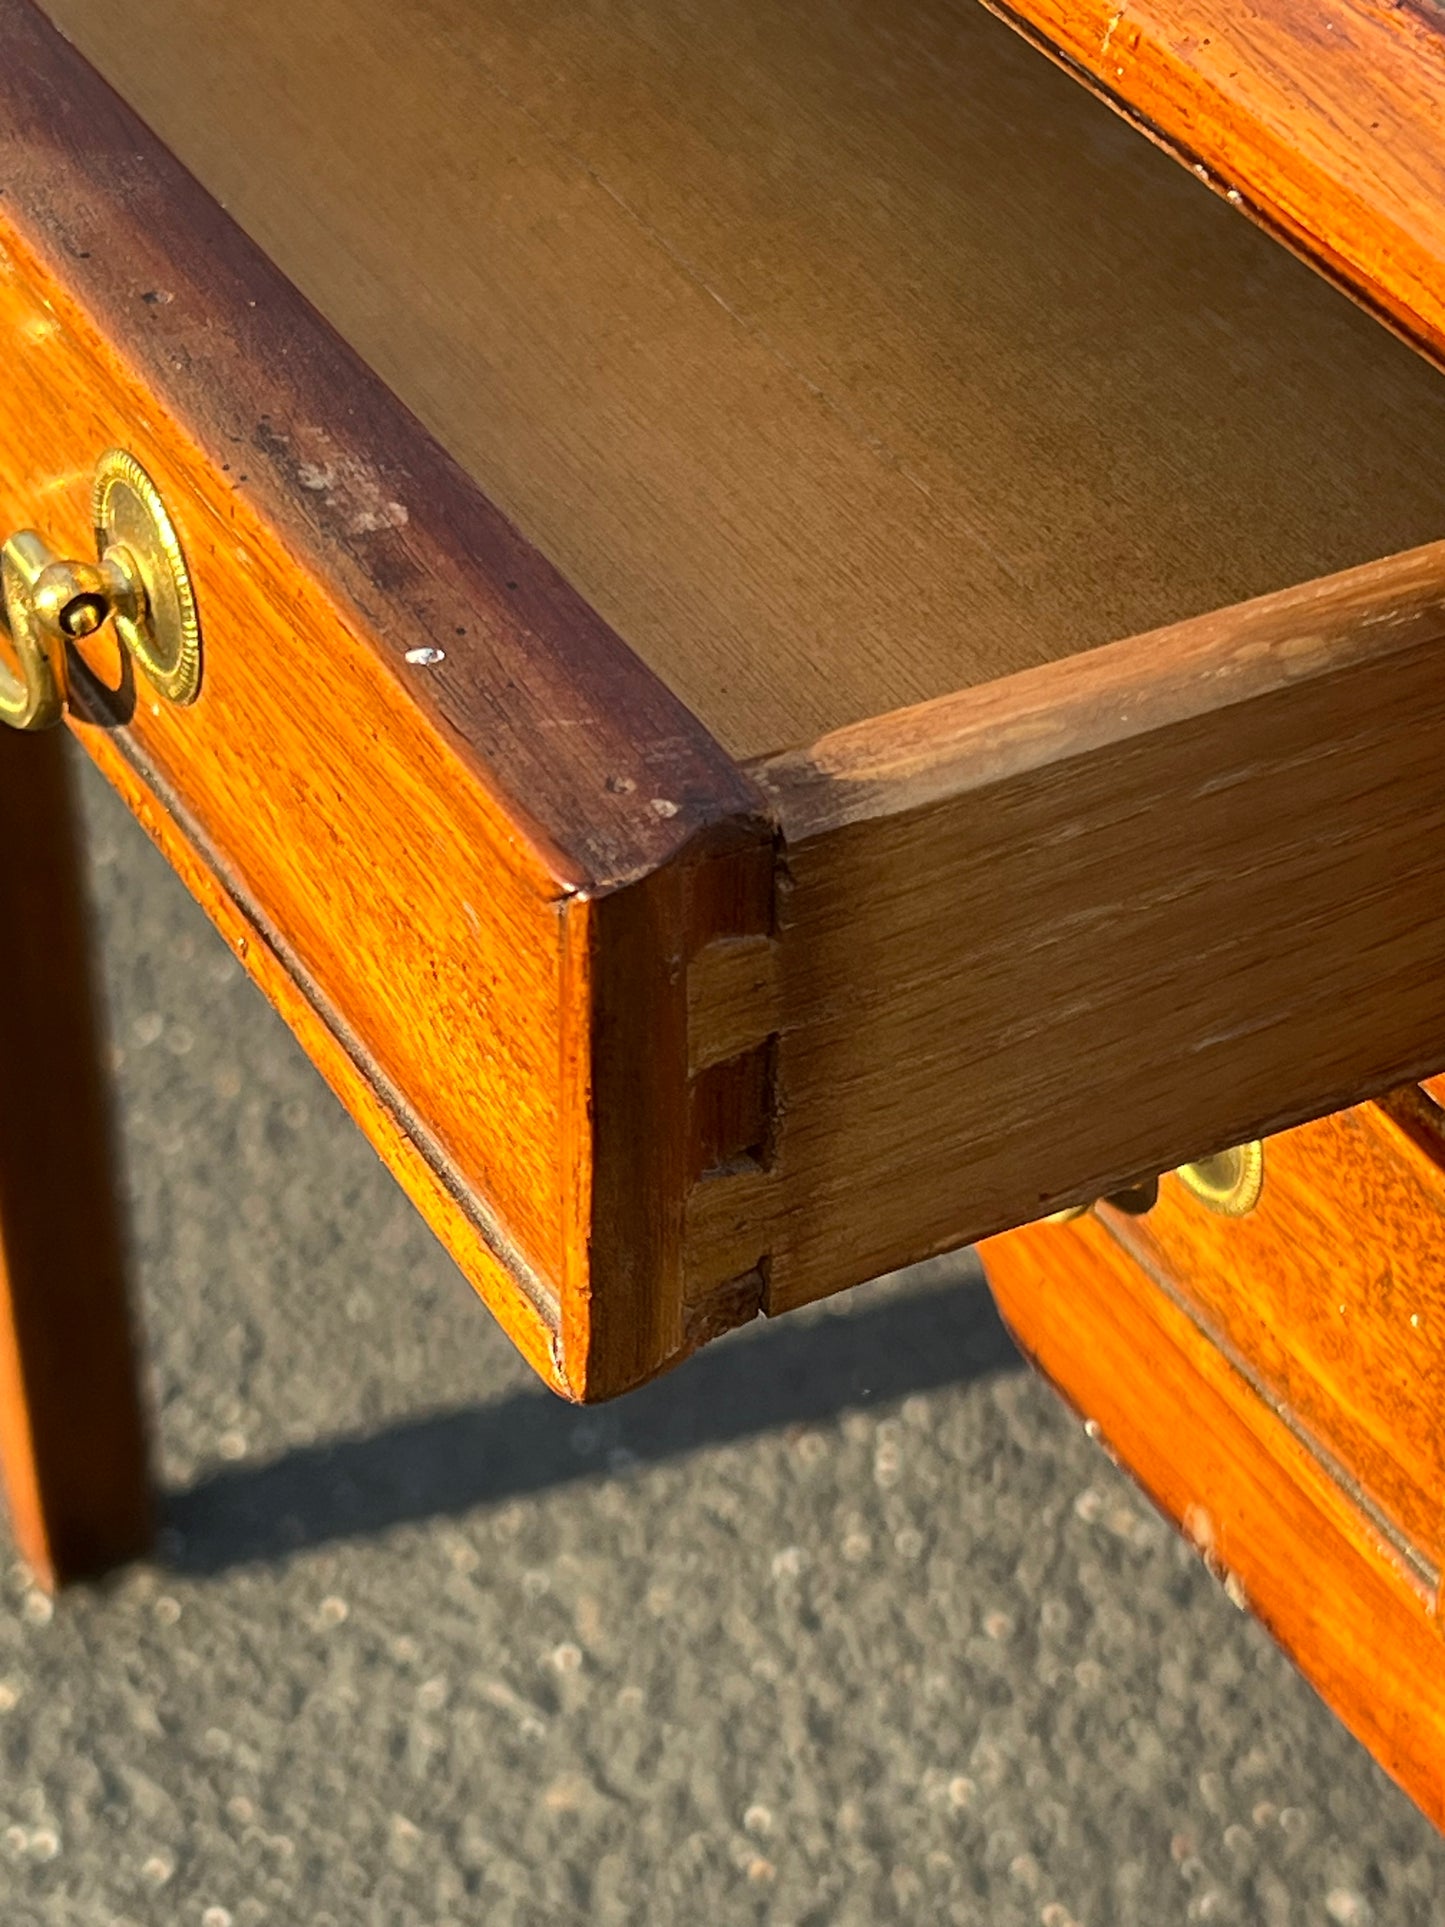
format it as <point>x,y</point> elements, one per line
<point>72,1428</point>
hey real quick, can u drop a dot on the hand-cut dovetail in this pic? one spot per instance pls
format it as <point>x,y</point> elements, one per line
<point>734,1015</point>
<point>733,999</point>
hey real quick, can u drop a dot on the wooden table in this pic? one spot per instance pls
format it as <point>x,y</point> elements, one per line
<point>663,490</point>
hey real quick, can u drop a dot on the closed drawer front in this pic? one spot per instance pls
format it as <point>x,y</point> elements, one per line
<point>1286,1523</point>
<point>1330,1296</point>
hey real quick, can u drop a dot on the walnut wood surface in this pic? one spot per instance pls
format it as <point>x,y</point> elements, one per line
<point>1263,1510</point>
<point>1046,937</point>
<point>1324,122</point>
<point>437,860</point>
<point>841,356</point>
<point>1331,1292</point>
<point>72,1432</point>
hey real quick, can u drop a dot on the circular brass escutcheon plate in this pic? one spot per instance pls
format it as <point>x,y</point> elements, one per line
<point>165,636</point>
<point>1230,1182</point>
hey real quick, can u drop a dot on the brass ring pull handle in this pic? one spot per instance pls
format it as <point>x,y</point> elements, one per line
<point>1230,1183</point>
<point>30,588</point>
<point>140,582</point>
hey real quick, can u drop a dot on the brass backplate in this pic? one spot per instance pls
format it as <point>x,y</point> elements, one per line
<point>1231,1182</point>
<point>164,636</point>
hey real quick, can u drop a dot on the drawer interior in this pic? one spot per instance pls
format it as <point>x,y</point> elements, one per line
<point>841,355</point>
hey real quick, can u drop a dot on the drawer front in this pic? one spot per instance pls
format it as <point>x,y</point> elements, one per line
<point>1331,1296</point>
<point>448,821</point>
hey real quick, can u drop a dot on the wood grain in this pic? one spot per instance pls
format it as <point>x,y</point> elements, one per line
<point>1331,1293</point>
<point>734,998</point>
<point>1047,937</point>
<point>526,1309</point>
<point>841,356</point>
<point>1324,123</point>
<point>437,855</point>
<point>1260,1507</point>
<point>72,1432</point>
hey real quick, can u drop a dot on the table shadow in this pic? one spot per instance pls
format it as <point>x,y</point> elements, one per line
<point>798,1371</point>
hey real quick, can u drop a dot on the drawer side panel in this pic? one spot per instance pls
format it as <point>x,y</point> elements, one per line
<point>1050,936</point>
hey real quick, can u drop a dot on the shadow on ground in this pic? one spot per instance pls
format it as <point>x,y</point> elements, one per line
<point>442,1464</point>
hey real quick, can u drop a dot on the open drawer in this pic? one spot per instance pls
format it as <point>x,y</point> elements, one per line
<point>663,486</point>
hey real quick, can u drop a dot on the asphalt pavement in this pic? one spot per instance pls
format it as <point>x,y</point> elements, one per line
<point>845,1623</point>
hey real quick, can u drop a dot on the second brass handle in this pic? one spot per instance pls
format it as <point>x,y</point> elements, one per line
<point>139,581</point>
<point>1230,1183</point>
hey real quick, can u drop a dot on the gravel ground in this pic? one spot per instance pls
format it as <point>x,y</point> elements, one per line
<point>845,1623</point>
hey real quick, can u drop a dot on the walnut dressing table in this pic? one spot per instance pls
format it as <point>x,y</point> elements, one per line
<point>784,648</point>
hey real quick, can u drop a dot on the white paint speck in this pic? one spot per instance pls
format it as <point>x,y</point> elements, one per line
<point>425,658</point>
